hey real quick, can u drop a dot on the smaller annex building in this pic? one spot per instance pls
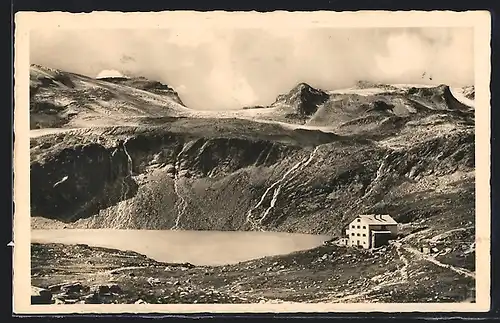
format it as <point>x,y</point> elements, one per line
<point>371,230</point>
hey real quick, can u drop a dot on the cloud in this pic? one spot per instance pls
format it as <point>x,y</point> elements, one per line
<point>191,37</point>
<point>228,68</point>
<point>181,89</point>
<point>407,56</point>
<point>446,55</point>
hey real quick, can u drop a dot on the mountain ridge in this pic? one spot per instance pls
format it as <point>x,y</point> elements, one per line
<point>61,99</point>
<point>122,101</point>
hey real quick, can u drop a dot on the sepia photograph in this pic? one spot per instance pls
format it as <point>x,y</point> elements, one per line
<point>283,160</point>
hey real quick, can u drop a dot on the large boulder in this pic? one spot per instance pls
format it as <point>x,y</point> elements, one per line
<point>40,295</point>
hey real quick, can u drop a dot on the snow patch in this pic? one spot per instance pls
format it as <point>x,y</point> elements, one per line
<point>458,93</point>
<point>363,92</point>
<point>109,73</point>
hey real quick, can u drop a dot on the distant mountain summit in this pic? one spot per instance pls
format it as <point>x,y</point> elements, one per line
<point>369,108</point>
<point>302,101</point>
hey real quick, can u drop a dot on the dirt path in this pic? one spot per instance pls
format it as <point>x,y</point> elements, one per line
<point>458,270</point>
<point>403,270</point>
<point>117,270</point>
<point>422,256</point>
<point>446,233</point>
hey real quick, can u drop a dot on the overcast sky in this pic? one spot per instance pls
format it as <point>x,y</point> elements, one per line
<point>230,68</point>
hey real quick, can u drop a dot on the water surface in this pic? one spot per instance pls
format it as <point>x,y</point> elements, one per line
<point>196,247</point>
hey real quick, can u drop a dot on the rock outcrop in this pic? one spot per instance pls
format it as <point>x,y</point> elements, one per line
<point>40,295</point>
<point>301,102</point>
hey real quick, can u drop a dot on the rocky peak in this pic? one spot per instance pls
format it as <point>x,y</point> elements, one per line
<point>41,76</point>
<point>304,99</point>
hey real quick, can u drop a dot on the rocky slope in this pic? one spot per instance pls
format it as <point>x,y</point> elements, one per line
<point>469,92</point>
<point>367,106</point>
<point>62,99</point>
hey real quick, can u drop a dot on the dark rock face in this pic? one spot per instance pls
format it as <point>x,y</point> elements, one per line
<point>47,114</point>
<point>407,153</point>
<point>76,182</point>
<point>304,276</point>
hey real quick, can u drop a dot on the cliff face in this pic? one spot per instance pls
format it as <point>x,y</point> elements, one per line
<point>181,180</point>
<point>73,182</point>
<point>76,182</point>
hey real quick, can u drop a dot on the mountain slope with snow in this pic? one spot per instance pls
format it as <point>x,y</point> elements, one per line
<point>62,99</point>
<point>367,105</point>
